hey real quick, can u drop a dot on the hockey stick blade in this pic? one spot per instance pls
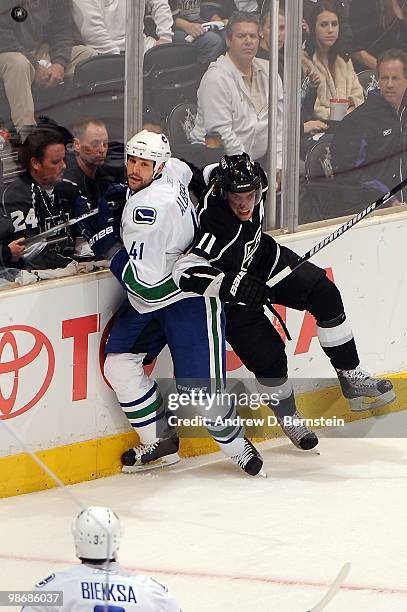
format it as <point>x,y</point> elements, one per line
<point>42,237</point>
<point>333,589</point>
<point>338,232</point>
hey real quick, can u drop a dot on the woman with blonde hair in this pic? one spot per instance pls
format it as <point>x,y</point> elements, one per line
<point>324,51</point>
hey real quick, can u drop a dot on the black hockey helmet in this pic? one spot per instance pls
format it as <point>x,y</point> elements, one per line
<point>238,173</point>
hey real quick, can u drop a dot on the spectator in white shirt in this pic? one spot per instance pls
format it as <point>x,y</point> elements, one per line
<point>247,5</point>
<point>102,23</point>
<point>233,94</point>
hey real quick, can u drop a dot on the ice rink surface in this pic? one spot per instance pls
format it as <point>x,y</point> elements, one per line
<point>222,541</point>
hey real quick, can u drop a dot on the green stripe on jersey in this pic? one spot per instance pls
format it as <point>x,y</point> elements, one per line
<point>162,290</point>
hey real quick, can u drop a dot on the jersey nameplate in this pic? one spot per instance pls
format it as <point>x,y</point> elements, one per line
<point>145,216</point>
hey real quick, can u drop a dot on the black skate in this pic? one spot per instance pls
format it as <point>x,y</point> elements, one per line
<point>363,391</point>
<point>250,460</point>
<point>299,434</point>
<point>149,456</point>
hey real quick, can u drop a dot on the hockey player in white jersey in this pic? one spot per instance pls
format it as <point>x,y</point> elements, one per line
<point>158,225</point>
<point>99,583</point>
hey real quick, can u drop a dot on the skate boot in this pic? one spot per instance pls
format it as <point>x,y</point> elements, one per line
<point>148,456</point>
<point>363,391</point>
<point>249,460</point>
<point>300,436</point>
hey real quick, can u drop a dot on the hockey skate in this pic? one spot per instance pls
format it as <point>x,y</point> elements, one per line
<point>363,391</point>
<point>300,436</point>
<point>250,460</point>
<point>149,456</point>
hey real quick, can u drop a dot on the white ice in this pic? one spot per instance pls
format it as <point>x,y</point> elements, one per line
<point>222,541</point>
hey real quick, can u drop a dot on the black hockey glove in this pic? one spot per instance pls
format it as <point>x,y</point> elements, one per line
<point>245,288</point>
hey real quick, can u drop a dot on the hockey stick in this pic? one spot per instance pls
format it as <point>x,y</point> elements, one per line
<point>333,589</point>
<point>54,230</point>
<point>338,232</point>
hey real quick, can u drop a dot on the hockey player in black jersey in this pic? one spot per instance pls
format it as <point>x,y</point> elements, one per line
<point>232,258</point>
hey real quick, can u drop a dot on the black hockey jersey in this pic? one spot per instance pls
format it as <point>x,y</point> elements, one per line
<point>227,244</point>
<point>34,210</point>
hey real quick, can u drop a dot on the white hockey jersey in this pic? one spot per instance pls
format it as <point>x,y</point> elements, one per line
<point>89,588</point>
<point>158,225</point>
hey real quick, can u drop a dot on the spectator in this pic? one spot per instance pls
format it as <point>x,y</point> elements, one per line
<point>85,163</point>
<point>11,253</point>
<point>369,149</point>
<point>233,95</point>
<point>311,126</point>
<point>36,46</point>
<point>38,200</point>
<point>324,51</point>
<point>381,26</point>
<point>250,6</point>
<point>188,19</point>
<point>102,23</point>
<point>342,9</point>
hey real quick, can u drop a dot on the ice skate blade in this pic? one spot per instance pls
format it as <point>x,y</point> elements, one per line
<point>362,404</point>
<point>262,474</point>
<point>162,462</point>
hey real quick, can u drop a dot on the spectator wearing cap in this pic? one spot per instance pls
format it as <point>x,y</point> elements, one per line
<point>36,46</point>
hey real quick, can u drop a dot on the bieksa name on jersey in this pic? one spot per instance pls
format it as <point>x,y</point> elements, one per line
<point>108,592</point>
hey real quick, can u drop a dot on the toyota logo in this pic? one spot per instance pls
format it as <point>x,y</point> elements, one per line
<point>26,355</point>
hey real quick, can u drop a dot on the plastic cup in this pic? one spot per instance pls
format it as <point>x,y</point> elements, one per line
<point>339,108</point>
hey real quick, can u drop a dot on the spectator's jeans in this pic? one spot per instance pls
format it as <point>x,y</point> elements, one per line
<point>17,73</point>
<point>210,45</point>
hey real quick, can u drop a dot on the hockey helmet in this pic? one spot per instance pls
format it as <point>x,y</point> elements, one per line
<point>149,145</point>
<point>96,532</point>
<point>238,173</point>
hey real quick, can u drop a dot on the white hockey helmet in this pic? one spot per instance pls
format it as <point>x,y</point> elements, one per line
<point>149,145</point>
<point>96,532</point>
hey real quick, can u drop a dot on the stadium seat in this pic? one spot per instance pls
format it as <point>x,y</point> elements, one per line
<point>368,80</point>
<point>99,87</point>
<point>171,76</point>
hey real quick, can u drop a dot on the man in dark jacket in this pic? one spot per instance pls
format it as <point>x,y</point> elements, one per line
<point>370,147</point>
<point>39,200</point>
<point>36,46</point>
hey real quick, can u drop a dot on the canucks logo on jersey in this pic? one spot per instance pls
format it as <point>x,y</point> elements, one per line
<point>144,215</point>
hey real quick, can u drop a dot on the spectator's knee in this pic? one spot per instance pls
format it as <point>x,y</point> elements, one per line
<point>17,63</point>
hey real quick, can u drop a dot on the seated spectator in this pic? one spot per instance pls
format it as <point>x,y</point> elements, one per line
<point>39,200</point>
<point>188,19</point>
<point>36,46</point>
<point>369,149</point>
<point>102,24</point>
<point>85,163</point>
<point>324,52</point>
<point>250,6</point>
<point>233,94</point>
<point>342,9</point>
<point>379,26</point>
<point>10,252</point>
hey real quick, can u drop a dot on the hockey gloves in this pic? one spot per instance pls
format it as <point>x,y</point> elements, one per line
<point>246,289</point>
<point>102,231</point>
